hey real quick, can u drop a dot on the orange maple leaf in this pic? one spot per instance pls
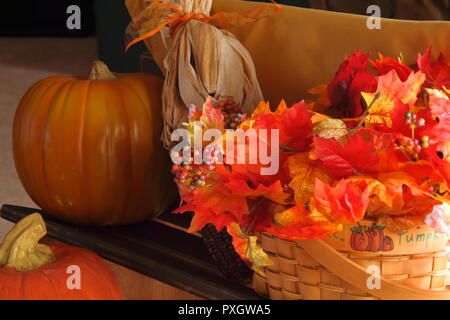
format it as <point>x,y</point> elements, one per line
<point>298,223</point>
<point>425,173</point>
<point>391,90</point>
<point>303,172</point>
<point>401,192</point>
<point>293,123</point>
<point>379,198</point>
<point>330,208</point>
<point>242,188</point>
<point>396,196</point>
<point>264,108</point>
<point>322,92</point>
<point>214,205</point>
<point>247,181</point>
<point>346,202</point>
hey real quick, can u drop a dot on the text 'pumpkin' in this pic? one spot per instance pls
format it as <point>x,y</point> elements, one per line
<point>87,148</point>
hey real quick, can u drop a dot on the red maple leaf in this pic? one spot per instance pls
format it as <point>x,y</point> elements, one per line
<point>439,155</point>
<point>436,72</point>
<point>366,151</point>
<point>363,81</point>
<point>397,115</point>
<point>439,104</point>
<point>352,78</point>
<point>214,205</point>
<point>294,125</point>
<point>296,122</point>
<point>251,186</point>
<point>386,64</point>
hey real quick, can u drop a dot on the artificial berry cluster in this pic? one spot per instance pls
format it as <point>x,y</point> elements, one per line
<point>192,175</point>
<point>195,176</point>
<point>232,114</point>
<point>412,121</point>
<point>211,156</point>
<point>412,145</point>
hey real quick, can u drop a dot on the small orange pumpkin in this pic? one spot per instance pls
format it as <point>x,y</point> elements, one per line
<point>33,271</point>
<point>87,148</point>
<point>360,239</point>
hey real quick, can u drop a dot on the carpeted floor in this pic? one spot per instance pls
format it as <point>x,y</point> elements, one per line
<point>23,61</point>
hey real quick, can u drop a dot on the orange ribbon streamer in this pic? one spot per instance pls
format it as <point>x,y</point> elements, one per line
<point>179,18</point>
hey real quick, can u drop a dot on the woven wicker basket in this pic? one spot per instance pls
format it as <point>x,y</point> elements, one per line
<point>331,269</point>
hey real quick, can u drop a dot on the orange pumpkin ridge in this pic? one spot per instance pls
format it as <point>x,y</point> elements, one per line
<point>377,236</point>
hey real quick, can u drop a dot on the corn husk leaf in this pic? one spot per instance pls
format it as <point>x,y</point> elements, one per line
<point>201,61</point>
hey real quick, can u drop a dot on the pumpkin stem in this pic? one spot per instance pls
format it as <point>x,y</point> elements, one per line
<point>100,71</point>
<point>20,248</point>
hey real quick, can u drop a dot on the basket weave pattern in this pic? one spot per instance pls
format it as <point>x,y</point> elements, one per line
<point>296,275</point>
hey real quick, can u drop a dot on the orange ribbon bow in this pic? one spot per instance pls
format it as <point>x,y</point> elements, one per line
<point>178,18</point>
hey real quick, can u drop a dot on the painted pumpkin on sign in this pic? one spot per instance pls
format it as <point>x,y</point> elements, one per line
<point>33,271</point>
<point>376,235</point>
<point>360,239</point>
<point>87,148</point>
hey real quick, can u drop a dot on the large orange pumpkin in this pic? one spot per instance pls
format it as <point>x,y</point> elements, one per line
<point>33,271</point>
<point>87,148</point>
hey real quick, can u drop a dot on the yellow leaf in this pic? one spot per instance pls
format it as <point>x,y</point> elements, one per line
<point>304,172</point>
<point>256,254</point>
<point>330,129</point>
<point>288,217</point>
<point>247,247</point>
<point>386,194</point>
<point>282,107</point>
<point>380,108</point>
<point>317,117</point>
<point>411,88</point>
<point>447,90</point>
<point>262,108</point>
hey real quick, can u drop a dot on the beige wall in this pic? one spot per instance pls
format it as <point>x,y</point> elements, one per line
<point>23,61</point>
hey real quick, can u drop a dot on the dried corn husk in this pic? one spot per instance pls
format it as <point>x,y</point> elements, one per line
<point>199,61</point>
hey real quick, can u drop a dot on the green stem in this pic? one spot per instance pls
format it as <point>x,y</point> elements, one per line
<point>289,149</point>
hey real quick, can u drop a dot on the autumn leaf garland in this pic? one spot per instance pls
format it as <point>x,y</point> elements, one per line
<point>380,151</point>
